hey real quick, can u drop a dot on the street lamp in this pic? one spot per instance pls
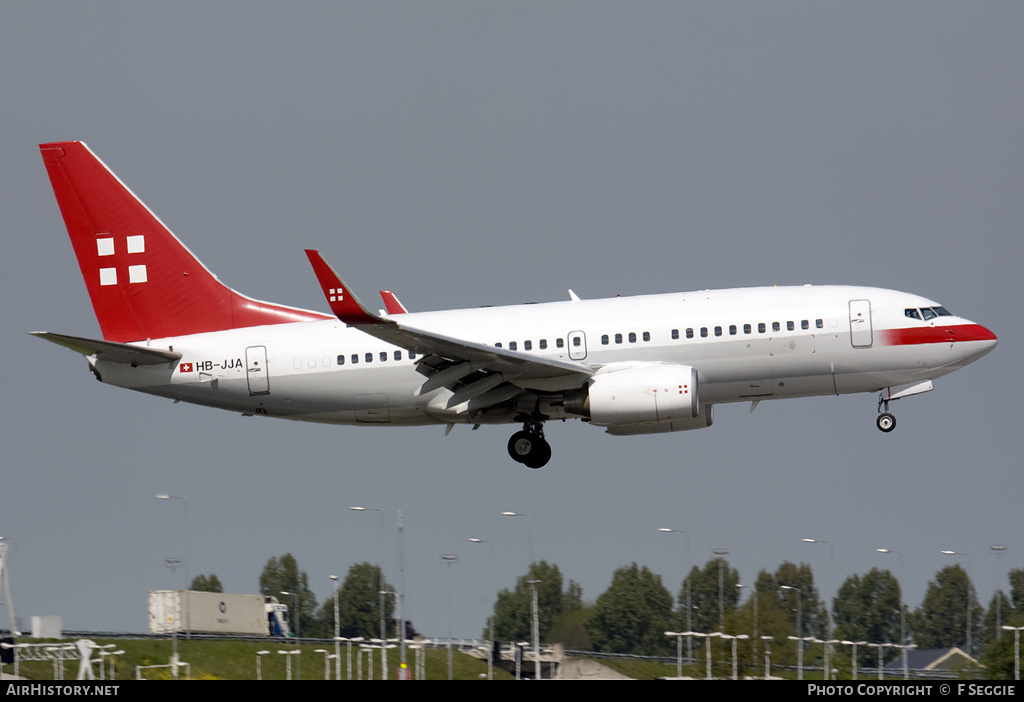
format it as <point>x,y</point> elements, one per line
<point>298,663</point>
<point>903,612</point>
<point>721,553</point>
<point>734,641</point>
<point>450,559</point>
<point>188,582</point>
<point>997,551</point>
<point>969,599</point>
<point>753,597</point>
<point>799,631</point>
<point>490,652</point>
<point>679,650</point>
<point>380,580</point>
<point>337,631</point>
<point>288,658</point>
<point>1016,648</point>
<point>259,663</point>
<point>536,629</point>
<point>686,584</point>
<point>828,585</point>
<point>767,656</point>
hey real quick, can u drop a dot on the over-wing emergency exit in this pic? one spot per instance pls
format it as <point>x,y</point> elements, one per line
<point>632,365</point>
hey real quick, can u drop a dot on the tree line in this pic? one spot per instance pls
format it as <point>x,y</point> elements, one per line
<point>634,612</point>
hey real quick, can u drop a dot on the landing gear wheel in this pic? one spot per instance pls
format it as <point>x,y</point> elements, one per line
<point>529,448</point>
<point>886,422</point>
<point>521,445</point>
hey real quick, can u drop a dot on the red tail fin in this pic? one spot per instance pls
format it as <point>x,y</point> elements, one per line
<point>143,282</point>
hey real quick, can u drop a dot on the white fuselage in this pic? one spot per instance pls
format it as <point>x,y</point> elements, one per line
<point>746,344</point>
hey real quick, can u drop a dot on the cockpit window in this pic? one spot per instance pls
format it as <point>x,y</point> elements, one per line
<point>912,313</point>
<point>942,312</point>
<point>928,314</point>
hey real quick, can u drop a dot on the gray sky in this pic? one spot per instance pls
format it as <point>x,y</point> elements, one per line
<point>493,153</point>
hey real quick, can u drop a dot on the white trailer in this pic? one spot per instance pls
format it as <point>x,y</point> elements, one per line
<point>215,613</point>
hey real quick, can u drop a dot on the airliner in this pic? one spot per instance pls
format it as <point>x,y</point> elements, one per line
<point>634,365</point>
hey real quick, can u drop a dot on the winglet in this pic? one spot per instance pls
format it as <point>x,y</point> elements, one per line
<point>391,303</point>
<point>343,302</point>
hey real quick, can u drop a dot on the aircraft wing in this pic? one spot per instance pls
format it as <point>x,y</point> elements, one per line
<point>496,365</point>
<point>121,353</point>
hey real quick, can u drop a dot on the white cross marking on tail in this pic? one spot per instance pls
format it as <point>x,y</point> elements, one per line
<point>135,244</point>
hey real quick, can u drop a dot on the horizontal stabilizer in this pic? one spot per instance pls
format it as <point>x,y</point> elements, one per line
<point>112,350</point>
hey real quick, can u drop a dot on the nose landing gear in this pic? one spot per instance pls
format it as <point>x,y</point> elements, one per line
<point>886,421</point>
<point>529,446</point>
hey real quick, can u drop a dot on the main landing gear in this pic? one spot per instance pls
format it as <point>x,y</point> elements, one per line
<point>529,446</point>
<point>886,421</point>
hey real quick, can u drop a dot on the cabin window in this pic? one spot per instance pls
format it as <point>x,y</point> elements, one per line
<point>341,359</point>
<point>513,346</point>
<point>804,324</point>
<point>398,355</point>
<point>761,328</point>
<point>647,336</point>
<point>704,332</point>
<point>718,331</point>
<point>604,339</point>
<point>632,337</point>
<point>618,338</point>
<point>776,326</point>
<point>689,332</point>
<point>577,341</point>
<point>528,345</point>
<point>369,358</point>
<point>498,344</point>
<point>355,358</point>
<point>383,356</point>
<point>543,344</point>
<point>559,343</point>
<point>746,329</point>
<point>675,334</point>
<point>790,326</point>
<point>819,323</point>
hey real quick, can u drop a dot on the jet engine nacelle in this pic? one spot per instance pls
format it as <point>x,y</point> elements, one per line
<point>641,394</point>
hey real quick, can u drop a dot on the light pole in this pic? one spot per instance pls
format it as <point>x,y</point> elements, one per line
<point>997,551</point>
<point>288,658</point>
<point>535,630</point>
<point>679,650</point>
<point>188,582</point>
<point>337,632</point>
<point>686,584</point>
<point>490,619</point>
<point>828,584</point>
<point>734,641</point>
<point>969,598</point>
<point>903,611</point>
<point>767,656</point>
<point>327,661</point>
<point>298,663</point>
<point>450,559</point>
<point>1016,648</point>
<point>753,597</point>
<point>721,553</point>
<point>799,631</point>
<point>380,580</point>
<point>259,663</point>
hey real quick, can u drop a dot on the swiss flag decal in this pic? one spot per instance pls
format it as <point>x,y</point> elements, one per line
<point>186,367</point>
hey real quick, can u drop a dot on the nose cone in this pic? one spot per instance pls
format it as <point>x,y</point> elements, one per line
<point>979,341</point>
